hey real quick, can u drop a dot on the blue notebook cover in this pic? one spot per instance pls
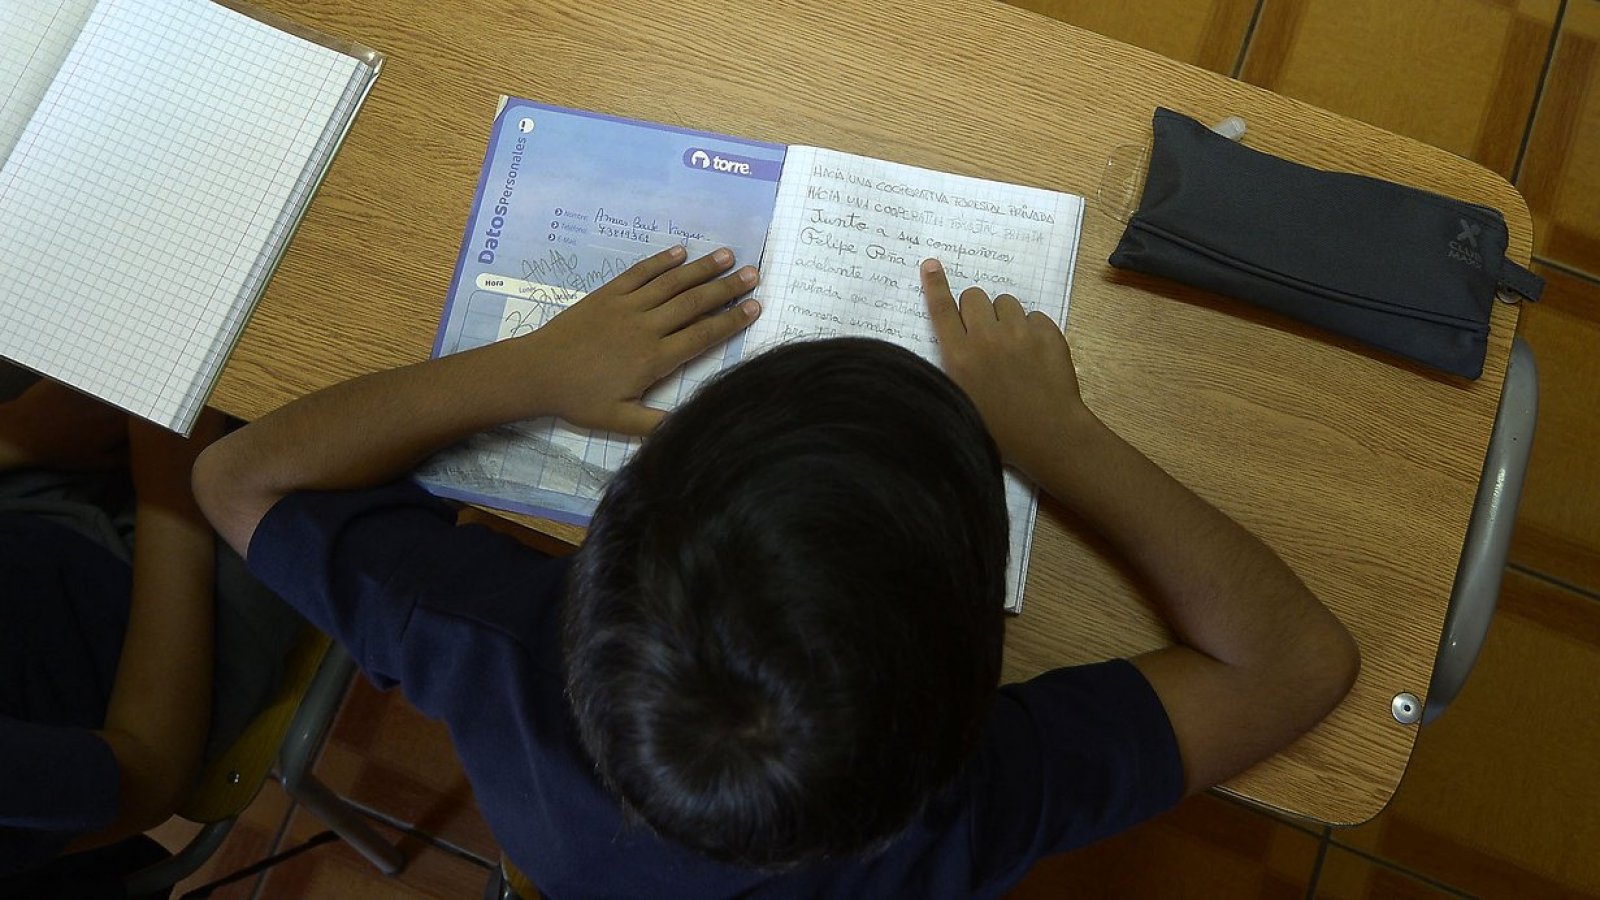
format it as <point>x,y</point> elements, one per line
<point>568,199</point>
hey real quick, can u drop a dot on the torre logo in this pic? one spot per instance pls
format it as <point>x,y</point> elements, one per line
<point>703,159</point>
<point>699,158</point>
<point>720,163</point>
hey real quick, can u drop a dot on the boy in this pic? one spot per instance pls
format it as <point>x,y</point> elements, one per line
<point>772,668</point>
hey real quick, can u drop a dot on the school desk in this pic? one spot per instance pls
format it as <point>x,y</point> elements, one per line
<point>1360,470</point>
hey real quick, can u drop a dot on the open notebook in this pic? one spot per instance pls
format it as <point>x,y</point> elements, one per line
<point>157,157</point>
<point>569,198</point>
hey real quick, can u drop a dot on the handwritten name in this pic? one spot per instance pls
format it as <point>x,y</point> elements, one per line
<point>678,231</point>
<point>637,223</point>
<point>852,221</point>
<point>815,237</point>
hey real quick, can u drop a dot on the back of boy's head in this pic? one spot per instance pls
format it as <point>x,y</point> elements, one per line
<point>784,629</point>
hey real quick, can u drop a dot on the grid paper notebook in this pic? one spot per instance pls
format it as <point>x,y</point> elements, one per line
<point>159,154</point>
<point>828,272</point>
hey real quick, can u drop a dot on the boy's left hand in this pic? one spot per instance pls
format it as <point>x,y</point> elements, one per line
<point>1014,365</point>
<point>599,356</point>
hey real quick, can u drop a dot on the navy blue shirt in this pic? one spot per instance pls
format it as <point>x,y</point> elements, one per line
<point>467,622</point>
<point>63,614</point>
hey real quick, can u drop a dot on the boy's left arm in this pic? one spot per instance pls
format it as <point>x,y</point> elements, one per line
<point>588,365</point>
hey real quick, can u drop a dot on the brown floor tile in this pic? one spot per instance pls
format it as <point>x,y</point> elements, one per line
<point>1206,847</point>
<point>386,755</point>
<point>174,833</point>
<point>1347,876</point>
<point>1500,796</point>
<point>1460,75</point>
<point>250,841</point>
<point>1558,521</point>
<point>1561,175</point>
<point>334,871</point>
<point>1206,34</point>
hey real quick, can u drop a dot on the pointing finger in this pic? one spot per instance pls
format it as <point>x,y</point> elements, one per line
<point>941,304</point>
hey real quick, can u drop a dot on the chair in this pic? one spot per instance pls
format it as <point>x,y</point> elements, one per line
<point>289,730</point>
<point>1483,554</point>
<point>508,883</point>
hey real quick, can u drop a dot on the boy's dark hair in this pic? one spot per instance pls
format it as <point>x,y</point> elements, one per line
<point>784,629</point>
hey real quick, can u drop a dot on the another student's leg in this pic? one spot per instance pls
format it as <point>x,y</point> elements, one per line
<point>52,426</point>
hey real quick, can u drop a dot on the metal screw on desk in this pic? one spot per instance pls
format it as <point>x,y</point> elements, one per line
<point>1407,708</point>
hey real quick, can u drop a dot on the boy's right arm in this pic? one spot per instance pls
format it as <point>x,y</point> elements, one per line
<point>1259,660</point>
<point>589,365</point>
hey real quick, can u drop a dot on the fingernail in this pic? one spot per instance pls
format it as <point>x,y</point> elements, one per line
<point>723,256</point>
<point>748,275</point>
<point>676,251</point>
<point>931,266</point>
<point>751,308</point>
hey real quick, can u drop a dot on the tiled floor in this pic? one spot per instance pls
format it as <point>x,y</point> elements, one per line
<point>386,758</point>
<point>1206,848</point>
<point>1503,797</point>
<point>1558,528</point>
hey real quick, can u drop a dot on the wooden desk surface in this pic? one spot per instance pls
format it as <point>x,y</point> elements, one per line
<point>1359,470</point>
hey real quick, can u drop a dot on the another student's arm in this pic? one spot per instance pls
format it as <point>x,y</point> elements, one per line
<point>160,708</point>
<point>589,365</point>
<point>1259,660</point>
<point>52,426</point>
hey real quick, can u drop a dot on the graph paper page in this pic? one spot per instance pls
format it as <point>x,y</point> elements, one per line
<point>841,258</point>
<point>139,200</point>
<point>35,36</point>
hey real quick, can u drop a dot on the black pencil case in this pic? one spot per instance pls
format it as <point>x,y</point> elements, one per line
<point>1401,269</point>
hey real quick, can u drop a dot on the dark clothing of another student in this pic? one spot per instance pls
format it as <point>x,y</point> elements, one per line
<point>62,618</point>
<point>65,589</point>
<point>467,622</point>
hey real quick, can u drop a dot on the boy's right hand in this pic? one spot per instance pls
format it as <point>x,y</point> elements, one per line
<point>1015,365</point>
<point>598,357</point>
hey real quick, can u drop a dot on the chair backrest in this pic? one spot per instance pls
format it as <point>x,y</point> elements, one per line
<point>231,781</point>
<point>521,887</point>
